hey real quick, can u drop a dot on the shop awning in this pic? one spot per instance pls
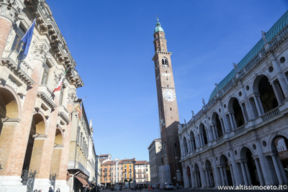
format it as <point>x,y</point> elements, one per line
<point>82,180</point>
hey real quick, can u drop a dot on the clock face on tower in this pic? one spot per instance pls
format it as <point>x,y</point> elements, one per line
<point>169,95</point>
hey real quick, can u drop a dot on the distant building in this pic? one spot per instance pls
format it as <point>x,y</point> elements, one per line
<point>82,156</point>
<point>103,157</point>
<point>108,172</point>
<point>127,170</point>
<point>142,172</point>
<point>155,150</point>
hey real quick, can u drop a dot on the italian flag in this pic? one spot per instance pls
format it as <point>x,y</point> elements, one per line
<point>60,83</point>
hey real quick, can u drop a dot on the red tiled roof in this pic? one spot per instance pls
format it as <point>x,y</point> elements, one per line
<point>141,163</point>
<point>109,163</point>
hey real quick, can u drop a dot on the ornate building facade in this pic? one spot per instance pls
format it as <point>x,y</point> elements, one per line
<point>36,122</point>
<point>241,135</point>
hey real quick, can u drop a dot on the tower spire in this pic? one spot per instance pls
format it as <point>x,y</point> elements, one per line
<point>158,27</point>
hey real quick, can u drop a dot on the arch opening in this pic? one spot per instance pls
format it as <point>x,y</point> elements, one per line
<point>210,175</point>
<point>249,161</point>
<point>227,176</point>
<point>192,140</point>
<point>203,134</point>
<point>280,150</point>
<point>34,147</point>
<point>57,153</point>
<point>264,89</point>
<point>197,176</point>
<point>235,109</point>
<point>8,111</point>
<point>217,124</point>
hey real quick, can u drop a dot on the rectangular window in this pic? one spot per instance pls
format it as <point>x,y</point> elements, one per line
<point>45,74</point>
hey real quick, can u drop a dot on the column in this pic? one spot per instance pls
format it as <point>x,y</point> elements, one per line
<point>236,173</point>
<point>282,171</point>
<point>213,137</point>
<point>243,173</point>
<point>276,93</point>
<point>264,165</point>
<point>206,178</point>
<point>260,176</point>
<point>277,169</point>
<point>258,104</point>
<point>216,175</point>
<point>224,175</point>
<point>280,77</point>
<point>227,124</point>
<point>202,176</point>
<point>247,173</point>
<point>221,176</point>
<point>249,110</point>
<point>232,174</point>
<point>185,177</point>
<point>193,178</point>
<point>243,112</point>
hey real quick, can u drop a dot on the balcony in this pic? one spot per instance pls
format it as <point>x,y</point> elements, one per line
<point>47,96</point>
<point>64,114</point>
<point>22,71</point>
<point>270,114</point>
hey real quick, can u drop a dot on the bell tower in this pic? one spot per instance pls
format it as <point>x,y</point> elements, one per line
<point>167,103</point>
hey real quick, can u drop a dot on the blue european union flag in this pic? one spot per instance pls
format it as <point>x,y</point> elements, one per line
<point>26,40</point>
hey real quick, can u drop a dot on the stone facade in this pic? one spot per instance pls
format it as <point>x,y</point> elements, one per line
<point>142,172</point>
<point>36,124</point>
<point>155,150</point>
<point>240,137</point>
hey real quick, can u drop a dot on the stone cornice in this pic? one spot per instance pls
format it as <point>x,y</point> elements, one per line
<point>17,71</point>
<point>48,100</point>
<point>46,25</point>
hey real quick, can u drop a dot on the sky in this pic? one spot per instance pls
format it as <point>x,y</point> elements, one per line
<point>112,44</point>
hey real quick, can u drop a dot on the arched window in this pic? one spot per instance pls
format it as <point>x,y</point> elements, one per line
<point>236,111</point>
<point>185,145</point>
<point>192,140</point>
<point>217,124</point>
<point>203,134</point>
<point>263,88</point>
<point>165,61</point>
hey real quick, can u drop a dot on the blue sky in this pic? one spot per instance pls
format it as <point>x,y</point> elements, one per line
<point>112,44</point>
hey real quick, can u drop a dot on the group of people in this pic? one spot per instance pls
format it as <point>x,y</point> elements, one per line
<point>50,190</point>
